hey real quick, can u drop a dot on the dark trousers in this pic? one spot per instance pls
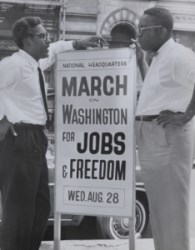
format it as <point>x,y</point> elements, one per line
<point>24,188</point>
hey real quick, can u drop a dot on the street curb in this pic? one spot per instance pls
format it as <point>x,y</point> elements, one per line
<point>141,244</point>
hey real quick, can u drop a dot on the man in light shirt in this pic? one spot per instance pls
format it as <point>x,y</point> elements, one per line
<point>164,128</point>
<point>23,114</point>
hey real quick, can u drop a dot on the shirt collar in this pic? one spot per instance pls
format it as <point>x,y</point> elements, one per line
<point>29,58</point>
<point>166,46</point>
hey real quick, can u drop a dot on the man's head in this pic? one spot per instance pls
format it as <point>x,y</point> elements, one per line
<point>155,28</point>
<point>30,35</point>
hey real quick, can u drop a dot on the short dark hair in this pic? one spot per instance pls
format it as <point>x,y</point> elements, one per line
<point>23,27</point>
<point>162,17</point>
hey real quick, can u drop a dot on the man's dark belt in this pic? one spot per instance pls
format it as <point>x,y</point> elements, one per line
<point>146,118</point>
<point>29,125</point>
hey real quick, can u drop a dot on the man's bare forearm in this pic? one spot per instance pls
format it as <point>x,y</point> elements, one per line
<point>143,67</point>
<point>167,117</point>
<point>190,111</point>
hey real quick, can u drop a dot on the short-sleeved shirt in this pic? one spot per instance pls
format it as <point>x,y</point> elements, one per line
<point>20,94</point>
<point>169,82</point>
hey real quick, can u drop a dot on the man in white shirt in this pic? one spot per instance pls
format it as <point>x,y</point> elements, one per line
<point>23,114</point>
<point>164,128</point>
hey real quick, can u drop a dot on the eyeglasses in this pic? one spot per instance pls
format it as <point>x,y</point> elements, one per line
<point>141,30</point>
<point>43,36</point>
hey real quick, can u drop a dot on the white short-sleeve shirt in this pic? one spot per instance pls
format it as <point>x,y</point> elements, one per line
<point>169,82</point>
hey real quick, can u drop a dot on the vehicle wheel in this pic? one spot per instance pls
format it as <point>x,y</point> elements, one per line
<point>118,227</point>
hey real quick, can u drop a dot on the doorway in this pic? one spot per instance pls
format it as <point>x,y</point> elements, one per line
<point>121,35</point>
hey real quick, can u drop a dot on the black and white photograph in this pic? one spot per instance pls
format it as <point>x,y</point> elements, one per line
<point>97,127</point>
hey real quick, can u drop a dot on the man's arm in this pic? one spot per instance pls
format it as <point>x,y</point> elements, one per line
<point>93,41</point>
<point>9,73</point>
<point>5,125</point>
<point>178,119</point>
<point>61,46</point>
<point>141,62</point>
<point>183,71</point>
<point>143,67</point>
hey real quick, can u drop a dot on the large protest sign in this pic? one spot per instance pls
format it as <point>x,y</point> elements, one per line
<point>95,96</point>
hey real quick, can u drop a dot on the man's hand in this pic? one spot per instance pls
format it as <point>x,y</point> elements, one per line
<point>5,125</point>
<point>168,117</point>
<point>93,41</point>
<point>139,53</point>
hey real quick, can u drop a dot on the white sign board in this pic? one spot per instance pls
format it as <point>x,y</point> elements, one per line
<point>95,93</point>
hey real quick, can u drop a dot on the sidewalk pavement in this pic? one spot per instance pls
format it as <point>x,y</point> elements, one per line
<point>141,244</point>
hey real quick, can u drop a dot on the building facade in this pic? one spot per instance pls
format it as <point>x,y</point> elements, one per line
<point>75,19</point>
<point>116,20</point>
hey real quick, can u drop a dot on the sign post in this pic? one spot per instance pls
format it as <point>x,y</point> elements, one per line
<point>95,100</point>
